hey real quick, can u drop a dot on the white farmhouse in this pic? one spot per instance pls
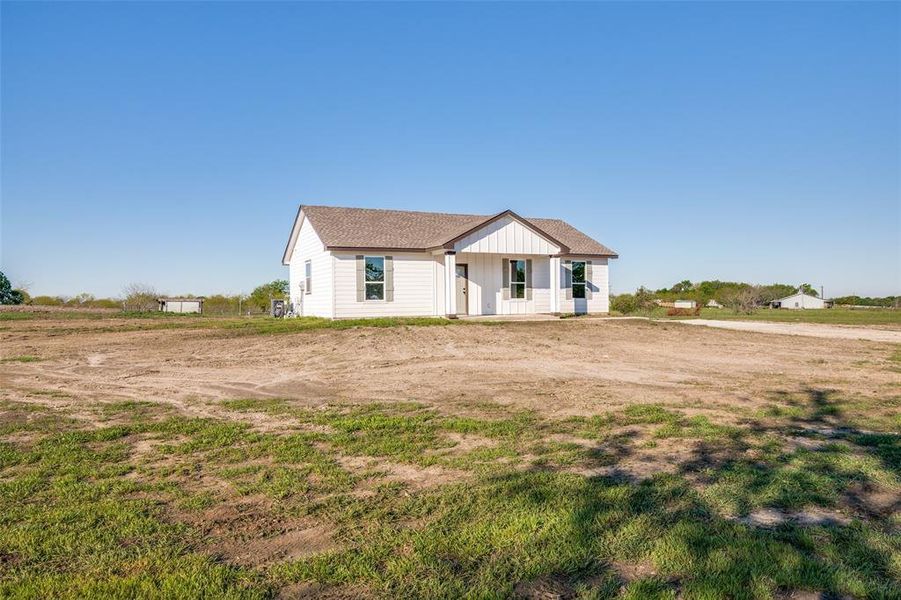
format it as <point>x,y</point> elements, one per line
<point>798,301</point>
<point>356,262</point>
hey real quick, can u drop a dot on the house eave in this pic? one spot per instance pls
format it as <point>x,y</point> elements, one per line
<point>583,255</point>
<point>292,238</point>
<point>373,248</point>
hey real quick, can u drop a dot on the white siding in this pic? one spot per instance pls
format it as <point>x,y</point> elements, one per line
<point>799,301</point>
<point>506,235</point>
<point>486,281</point>
<point>182,306</point>
<point>600,286</point>
<point>414,286</point>
<point>318,303</point>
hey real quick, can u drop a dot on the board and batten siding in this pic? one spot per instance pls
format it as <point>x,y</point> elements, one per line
<point>506,235</point>
<point>486,295</point>
<point>600,288</point>
<point>318,303</point>
<point>414,286</point>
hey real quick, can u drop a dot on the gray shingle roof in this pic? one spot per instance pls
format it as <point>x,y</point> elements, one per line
<point>340,227</point>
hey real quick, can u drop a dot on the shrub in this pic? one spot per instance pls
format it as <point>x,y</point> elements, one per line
<point>140,297</point>
<point>624,303</point>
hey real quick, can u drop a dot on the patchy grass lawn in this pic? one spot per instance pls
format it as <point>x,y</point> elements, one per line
<point>123,508</point>
<point>666,485</point>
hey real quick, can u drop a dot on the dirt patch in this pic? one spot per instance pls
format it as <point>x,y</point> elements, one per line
<point>414,476</point>
<point>873,501</point>
<point>21,438</point>
<point>628,572</point>
<point>773,517</point>
<point>305,590</point>
<point>251,532</point>
<point>544,588</point>
<point>468,442</point>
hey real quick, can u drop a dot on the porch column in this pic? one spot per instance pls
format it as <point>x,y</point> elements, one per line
<point>450,284</point>
<point>555,284</point>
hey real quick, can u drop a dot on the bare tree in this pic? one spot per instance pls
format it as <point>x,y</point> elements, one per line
<point>744,299</point>
<point>139,297</point>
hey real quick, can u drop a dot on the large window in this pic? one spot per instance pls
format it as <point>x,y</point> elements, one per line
<point>308,276</point>
<point>578,279</point>
<point>517,279</point>
<point>375,277</point>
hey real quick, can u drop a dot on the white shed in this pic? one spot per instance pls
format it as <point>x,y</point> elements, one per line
<point>798,301</point>
<point>690,304</point>
<point>181,305</point>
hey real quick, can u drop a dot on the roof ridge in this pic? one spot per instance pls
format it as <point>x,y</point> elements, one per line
<point>397,210</point>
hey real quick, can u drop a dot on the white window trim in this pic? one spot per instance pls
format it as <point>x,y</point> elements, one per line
<point>382,282</point>
<point>525,278</point>
<point>307,276</point>
<point>584,283</point>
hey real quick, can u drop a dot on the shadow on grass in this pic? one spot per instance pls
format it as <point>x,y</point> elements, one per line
<point>546,532</point>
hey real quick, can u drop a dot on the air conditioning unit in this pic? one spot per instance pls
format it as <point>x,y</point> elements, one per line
<point>277,308</point>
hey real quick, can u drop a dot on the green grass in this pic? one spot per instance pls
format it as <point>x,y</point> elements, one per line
<point>835,316</point>
<point>84,515</point>
<point>25,358</point>
<point>259,325</point>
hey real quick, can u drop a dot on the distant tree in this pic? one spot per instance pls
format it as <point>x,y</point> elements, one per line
<point>7,294</point>
<point>887,301</point>
<point>808,289</point>
<point>82,299</point>
<point>743,299</point>
<point>140,297</point>
<point>643,300</point>
<point>261,296</point>
<point>220,304</point>
<point>682,287</point>
<point>47,301</point>
<point>774,291</point>
<point>105,303</point>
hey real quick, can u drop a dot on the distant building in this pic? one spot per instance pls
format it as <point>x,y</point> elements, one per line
<point>798,301</point>
<point>714,304</point>
<point>181,305</point>
<point>689,304</point>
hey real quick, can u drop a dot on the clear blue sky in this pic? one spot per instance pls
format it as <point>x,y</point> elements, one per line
<point>171,143</point>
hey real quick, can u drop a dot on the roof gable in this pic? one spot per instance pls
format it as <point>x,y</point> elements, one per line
<point>506,232</point>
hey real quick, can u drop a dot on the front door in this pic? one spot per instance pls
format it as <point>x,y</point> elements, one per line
<point>462,289</point>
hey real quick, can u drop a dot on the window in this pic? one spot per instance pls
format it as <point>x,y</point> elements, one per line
<point>517,279</point>
<point>307,276</point>
<point>578,279</point>
<point>375,277</point>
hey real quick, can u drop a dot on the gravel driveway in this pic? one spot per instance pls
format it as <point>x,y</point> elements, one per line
<point>806,329</point>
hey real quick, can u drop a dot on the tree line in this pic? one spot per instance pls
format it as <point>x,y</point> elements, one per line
<point>138,297</point>
<point>740,296</point>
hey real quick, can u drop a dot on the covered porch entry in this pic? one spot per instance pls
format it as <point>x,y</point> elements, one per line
<point>505,267</point>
